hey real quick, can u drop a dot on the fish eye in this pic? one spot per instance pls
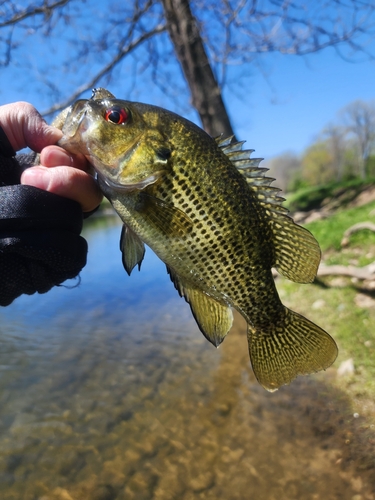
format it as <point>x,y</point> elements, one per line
<point>116,115</point>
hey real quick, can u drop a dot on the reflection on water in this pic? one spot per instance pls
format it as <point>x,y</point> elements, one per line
<point>109,392</point>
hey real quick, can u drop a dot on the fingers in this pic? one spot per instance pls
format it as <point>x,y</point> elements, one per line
<point>24,126</point>
<point>65,174</point>
<point>54,156</point>
<point>60,172</point>
<point>69,182</point>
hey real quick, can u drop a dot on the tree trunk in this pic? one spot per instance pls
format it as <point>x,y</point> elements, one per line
<point>206,95</point>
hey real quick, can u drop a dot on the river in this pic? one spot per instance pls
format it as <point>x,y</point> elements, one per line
<point>108,391</point>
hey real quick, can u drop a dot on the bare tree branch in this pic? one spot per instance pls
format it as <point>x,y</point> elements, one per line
<point>104,71</point>
<point>229,32</point>
<point>361,273</point>
<point>370,226</point>
<point>46,9</point>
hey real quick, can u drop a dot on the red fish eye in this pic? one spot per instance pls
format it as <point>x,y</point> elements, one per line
<point>116,115</point>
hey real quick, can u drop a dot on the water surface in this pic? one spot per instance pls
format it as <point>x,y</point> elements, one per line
<point>108,391</point>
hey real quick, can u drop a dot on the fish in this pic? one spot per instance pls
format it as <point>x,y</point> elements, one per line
<point>209,212</point>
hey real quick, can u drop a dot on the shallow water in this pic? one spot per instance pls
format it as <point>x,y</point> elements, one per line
<point>108,391</point>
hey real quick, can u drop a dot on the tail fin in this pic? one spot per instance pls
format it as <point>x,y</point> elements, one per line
<point>283,351</point>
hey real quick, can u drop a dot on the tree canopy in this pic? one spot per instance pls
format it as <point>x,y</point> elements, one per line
<point>181,46</point>
<point>344,150</point>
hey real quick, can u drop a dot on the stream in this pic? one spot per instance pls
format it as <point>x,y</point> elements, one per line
<point>108,391</point>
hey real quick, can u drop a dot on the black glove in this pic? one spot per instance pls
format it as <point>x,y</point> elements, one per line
<point>40,242</point>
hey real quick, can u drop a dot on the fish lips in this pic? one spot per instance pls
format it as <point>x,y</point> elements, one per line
<point>75,126</point>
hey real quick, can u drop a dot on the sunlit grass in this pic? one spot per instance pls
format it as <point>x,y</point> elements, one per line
<point>352,327</point>
<point>332,302</point>
<point>314,197</point>
<point>329,232</point>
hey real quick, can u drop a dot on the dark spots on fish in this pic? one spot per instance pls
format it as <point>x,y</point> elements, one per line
<point>167,184</point>
<point>217,252</point>
<point>237,266</point>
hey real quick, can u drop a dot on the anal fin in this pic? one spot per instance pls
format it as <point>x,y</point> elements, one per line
<point>213,318</point>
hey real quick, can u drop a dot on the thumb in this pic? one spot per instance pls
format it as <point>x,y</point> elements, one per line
<point>24,126</point>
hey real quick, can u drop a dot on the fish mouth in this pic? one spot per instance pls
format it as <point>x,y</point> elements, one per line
<point>71,128</point>
<point>105,182</point>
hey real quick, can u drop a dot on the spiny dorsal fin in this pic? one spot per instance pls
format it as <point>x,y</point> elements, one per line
<point>99,93</point>
<point>213,318</point>
<point>297,253</point>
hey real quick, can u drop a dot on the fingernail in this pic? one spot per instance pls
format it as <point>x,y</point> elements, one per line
<point>37,176</point>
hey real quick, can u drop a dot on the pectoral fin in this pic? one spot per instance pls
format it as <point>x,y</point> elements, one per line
<point>167,218</point>
<point>213,318</point>
<point>132,248</point>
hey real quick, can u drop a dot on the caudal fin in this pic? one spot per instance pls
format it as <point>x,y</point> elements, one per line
<point>282,351</point>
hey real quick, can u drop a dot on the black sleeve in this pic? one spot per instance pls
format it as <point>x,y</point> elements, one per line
<point>40,242</point>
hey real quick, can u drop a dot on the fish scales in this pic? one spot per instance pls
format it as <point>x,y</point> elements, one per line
<point>216,248</point>
<point>208,211</point>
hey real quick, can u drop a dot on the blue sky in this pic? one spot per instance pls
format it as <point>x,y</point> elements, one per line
<point>283,112</point>
<point>303,95</point>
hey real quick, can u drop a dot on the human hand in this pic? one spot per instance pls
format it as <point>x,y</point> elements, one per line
<point>59,172</point>
<point>66,175</point>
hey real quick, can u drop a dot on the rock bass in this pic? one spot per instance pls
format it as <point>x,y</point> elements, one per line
<point>208,211</point>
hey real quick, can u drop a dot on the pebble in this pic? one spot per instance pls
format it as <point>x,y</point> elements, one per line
<point>202,482</point>
<point>62,494</point>
<point>104,492</point>
<point>318,304</point>
<point>364,301</point>
<point>346,368</point>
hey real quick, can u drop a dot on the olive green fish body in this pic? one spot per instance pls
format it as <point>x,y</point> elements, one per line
<point>209,212</point>
<point>226,261</point>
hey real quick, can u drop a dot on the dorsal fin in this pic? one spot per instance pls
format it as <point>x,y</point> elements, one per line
<point>297,253</point>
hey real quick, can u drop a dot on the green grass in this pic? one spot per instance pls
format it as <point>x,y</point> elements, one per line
<point>352,327</point>
<point>329,232</point>
<point>331,302</point>
<point>315,197</point>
